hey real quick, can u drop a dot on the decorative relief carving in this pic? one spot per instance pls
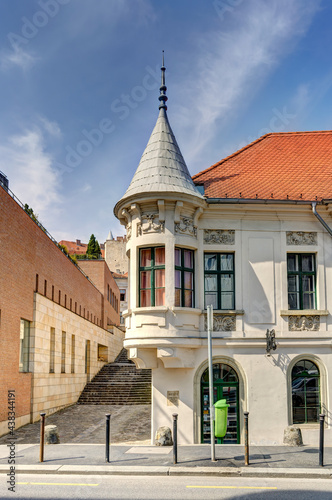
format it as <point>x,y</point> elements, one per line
<point>150,223</point>
<point>128,229</point>
<point>222,323</point>
<point>224,237</point>
<point>302,323</point>
<point>301,238</point>
<point>186,226</point>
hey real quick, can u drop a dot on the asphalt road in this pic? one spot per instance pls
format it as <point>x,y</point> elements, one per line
<point>163,488</point>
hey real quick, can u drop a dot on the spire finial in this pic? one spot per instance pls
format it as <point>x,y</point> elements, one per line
<point>163,97</point>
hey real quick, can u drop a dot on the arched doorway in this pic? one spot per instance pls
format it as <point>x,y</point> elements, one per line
<point>225,386</point>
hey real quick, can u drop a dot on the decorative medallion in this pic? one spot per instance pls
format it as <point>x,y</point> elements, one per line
<point>301,238</point>
<point>221,236</point>
<point>186,226</point>
<point>150,223</point>
<point>222,323</point>
<point>303,323</point>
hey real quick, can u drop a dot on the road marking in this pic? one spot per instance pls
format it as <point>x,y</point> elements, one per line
<point>238,487</point>
<point>63,484</point>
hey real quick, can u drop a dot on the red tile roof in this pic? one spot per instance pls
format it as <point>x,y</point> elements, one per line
<point>279,166</point>
<point>79,248</point>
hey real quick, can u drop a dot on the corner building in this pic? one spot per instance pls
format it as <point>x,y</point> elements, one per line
<point>251,236</point>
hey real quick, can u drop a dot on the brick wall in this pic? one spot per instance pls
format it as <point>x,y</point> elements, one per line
<point>26,251</point>
<point>100,274</point>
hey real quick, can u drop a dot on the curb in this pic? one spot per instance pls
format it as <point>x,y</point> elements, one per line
<point>171,471</point>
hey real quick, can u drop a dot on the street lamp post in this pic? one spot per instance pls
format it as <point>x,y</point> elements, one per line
<point>209,329</point>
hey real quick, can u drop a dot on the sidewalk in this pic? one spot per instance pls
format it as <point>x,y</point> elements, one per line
<point>82,429</point>
<point>267,461</point>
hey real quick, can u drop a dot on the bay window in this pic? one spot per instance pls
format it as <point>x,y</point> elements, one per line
<point>152,276</point>
<point>184,277</point>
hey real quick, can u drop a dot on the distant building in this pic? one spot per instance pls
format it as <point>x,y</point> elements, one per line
<point>122,282</point>
<point>115,254</point>
<point>4,181</point>
<point>57,327</point>
<point>79,248</point>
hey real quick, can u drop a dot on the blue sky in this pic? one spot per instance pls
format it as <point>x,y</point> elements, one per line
<point>79,86</point>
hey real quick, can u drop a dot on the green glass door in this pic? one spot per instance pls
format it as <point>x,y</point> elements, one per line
<point>225,386</point>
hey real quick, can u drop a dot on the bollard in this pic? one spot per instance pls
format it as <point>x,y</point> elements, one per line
<point>42,432</point>
<point>107,451</point>
<point>246,438</point>
<point>175,438</point>
<point>321,439</point>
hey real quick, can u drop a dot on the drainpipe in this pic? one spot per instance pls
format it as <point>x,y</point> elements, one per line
<point>321,220</point>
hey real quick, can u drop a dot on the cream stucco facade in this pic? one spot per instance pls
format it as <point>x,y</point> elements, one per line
<point>174,234</point>
<point>173,340</point>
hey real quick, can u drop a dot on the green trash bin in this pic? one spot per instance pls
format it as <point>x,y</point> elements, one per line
<point>221,411</point>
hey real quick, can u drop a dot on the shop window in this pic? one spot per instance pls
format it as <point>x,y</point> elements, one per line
<point>301,276</point>
<point>305,392</point>
<point>152,276</point>
<point>219,286</point>
<point>184,277</point>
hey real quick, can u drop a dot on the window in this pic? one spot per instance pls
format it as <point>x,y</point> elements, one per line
<point>301,273</point>
<point>87,357</point>
<point>52,350</point>
<point>305,392</point>
<point>219,280</point>
<point>63,353</point>
<point>184,277</point>
<point>122,295</point>
<point>24,345</point>
<point>73,354</point>
<point>152,276</point>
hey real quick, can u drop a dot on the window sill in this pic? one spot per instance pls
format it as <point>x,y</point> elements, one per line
<point>227,311</point>
<point>303,312</point>
<point>190,310</point>
<point>144,310</point>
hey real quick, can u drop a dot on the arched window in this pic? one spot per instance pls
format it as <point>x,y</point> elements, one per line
<point>305,392</point>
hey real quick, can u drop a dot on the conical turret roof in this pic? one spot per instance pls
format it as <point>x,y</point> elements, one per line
<point>162,167</point>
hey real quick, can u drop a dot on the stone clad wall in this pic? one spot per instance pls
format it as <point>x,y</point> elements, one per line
<point>53,391</point>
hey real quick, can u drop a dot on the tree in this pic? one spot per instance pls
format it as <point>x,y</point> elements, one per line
<point>93,250</point>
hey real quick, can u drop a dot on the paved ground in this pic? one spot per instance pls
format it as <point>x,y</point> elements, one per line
<point>190,456</point>
<point>82,449</point>
<point>86,424</point>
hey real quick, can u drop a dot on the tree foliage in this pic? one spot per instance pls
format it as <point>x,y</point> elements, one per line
<point>93,250</point>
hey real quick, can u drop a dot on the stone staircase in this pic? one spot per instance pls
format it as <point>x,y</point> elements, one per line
<point>118,383</point>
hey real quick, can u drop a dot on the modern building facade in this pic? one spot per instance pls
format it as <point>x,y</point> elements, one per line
<point>250,236</point>
<point>54,321</point>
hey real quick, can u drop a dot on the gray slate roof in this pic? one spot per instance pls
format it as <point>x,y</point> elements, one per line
<point>162,167</point>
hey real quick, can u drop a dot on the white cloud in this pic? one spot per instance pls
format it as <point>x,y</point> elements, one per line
<point>233,62</point>
<point>29,169</point>
<point>51,127</point>
<point>16,57</point>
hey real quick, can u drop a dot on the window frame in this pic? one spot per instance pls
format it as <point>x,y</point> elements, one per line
<point>300,275</point>
<point>24,357</point>
<point>153,268</point>
<point>219,272</point>
<point>183,269</point>
<point>306,376</point>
